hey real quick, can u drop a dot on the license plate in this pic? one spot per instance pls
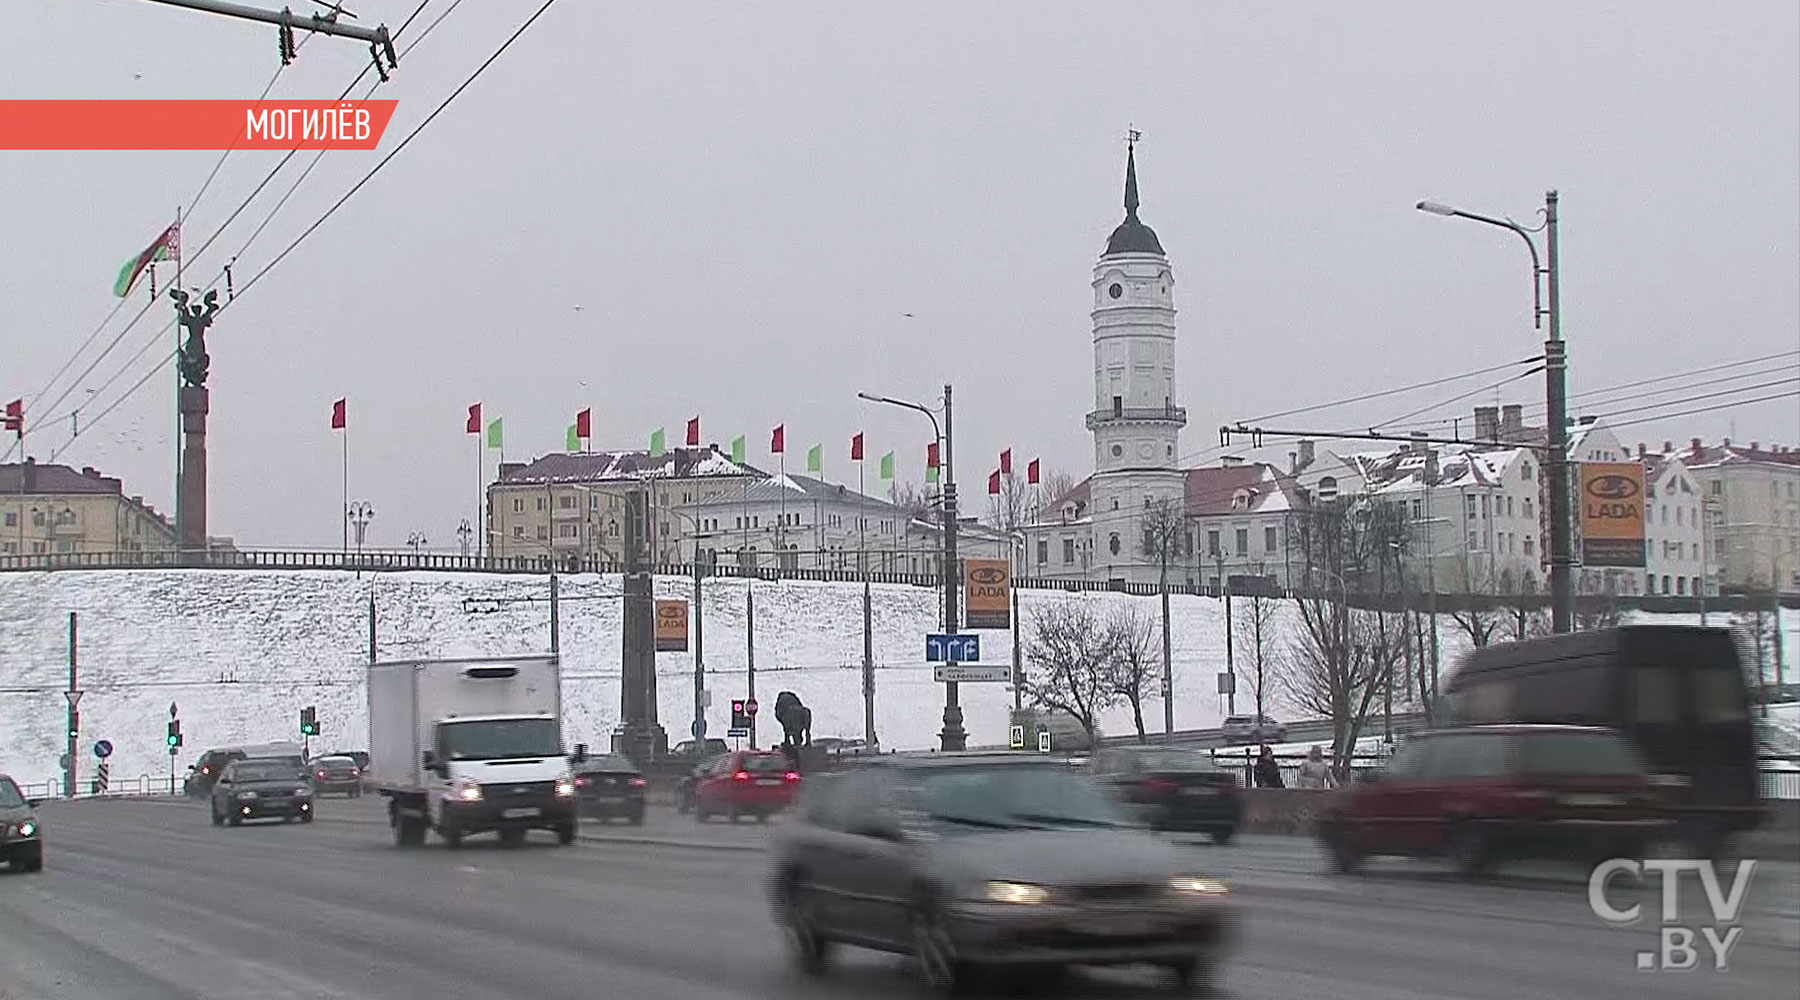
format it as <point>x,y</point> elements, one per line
<point>1592,800</point>
<point>524,813</point>
<point>1119,926</point>
<point>768,781</point>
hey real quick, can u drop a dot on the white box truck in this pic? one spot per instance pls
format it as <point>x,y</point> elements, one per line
<point>471,746</point>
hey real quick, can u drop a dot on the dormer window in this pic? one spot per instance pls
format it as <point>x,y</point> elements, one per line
<point>1328,489</point>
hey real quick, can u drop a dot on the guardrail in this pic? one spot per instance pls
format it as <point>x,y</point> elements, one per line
<point>143,784</point>
<point>404,561</point>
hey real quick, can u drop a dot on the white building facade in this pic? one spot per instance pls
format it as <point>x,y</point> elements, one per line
<point>1678,547</point>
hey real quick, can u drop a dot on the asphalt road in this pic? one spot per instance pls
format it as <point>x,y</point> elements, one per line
<point>146,900</point>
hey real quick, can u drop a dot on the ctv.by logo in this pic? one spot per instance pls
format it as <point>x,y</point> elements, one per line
<point>1676,952</point>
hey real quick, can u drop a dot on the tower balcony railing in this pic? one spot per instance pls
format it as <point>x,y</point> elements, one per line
<point>1131,414</point>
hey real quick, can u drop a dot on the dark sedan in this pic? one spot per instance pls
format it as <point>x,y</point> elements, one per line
<point>336,774</point>
<point>1174,788</point>
<point>610,786</point>
<point>261,789</point>
<point>21,841</point>
<point>975,862</point>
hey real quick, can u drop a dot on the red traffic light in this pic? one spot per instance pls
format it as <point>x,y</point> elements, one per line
<point>737,706</point>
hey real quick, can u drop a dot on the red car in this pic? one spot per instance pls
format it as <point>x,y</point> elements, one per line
<point>746,782</point>
<point>1485,794</point>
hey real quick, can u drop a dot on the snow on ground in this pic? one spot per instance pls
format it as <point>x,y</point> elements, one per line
<point>241,652</point>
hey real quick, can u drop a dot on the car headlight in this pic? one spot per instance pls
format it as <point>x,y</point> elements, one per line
<point>28,829</point>
<point>1020,893</point>
<point>565,788</point>
<point>1198,885</point>
<point>468,791</point>
<point>246,795</point>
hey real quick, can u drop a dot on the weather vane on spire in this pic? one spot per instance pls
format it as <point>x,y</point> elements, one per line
<point>1132,135</point>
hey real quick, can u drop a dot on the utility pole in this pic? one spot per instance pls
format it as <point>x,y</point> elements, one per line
<point>868,667</point>
<point>1164,532</point>
<point>555,617</point>
<point>750,652</point>
<point>1018,652</point>
<point>1556,391</point>
<point>699,728</point>
<point>954,737</point>
<point>73,694</point>
<point>381,44</point>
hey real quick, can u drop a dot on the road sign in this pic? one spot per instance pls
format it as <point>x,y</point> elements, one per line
<point>63,762</point>
<point>74,698</point>
<point>172,710</point>
<point>971,672</point>
<point>103,749</point>
<point>940,648</point>
<point>1043,741</point>
<point>698,729</point>
<point>737,734</point>
<point>1227,683</point>
<point>1015,738</point>
<point>706,697</point>
<point>750,707</point>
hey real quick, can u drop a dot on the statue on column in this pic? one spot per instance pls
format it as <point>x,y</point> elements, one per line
<point>796,725</point>
<point>193,361</point>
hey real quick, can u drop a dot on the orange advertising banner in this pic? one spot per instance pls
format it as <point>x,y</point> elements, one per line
<point>671,625</point>
<point>1612,514</point>
<point>987,586</point>
<point>248,124</point>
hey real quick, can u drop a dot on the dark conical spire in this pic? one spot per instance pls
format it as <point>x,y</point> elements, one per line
<point>1132,236</point>
<point>1131,194</point>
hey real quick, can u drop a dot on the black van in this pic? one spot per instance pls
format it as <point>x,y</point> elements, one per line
<point>1680,692</point>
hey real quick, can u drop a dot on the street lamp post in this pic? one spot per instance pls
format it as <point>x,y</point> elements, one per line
<point>360,513</point>
<point>954,737</point>
<point>1556,372</point>
<point>464,532</point>
<point>417,542</point>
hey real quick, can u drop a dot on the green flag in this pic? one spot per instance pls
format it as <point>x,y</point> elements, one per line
<point>494,434</point>
<point>573,440</point>
<point>887,466</point>
<point>656,443</point>
<point>815,458</point>
<point>931,474</point>
<point>737,449</point>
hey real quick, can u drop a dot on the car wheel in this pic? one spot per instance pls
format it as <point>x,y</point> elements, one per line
<point>306,817</point>
<point>1194,974</point>
<point>1468,851</point>
<point>1346,857</point>
<point>762,817</point>
<point>700,813</point>
<point>565,834</point>
<point>235,819</point>
<point>218,817</point>
<point>31,861</point>
<point>1223,835</point>
<point>935,951</point>
<point>637,818</point>
<point>800,926</point>
<point>453,837</point>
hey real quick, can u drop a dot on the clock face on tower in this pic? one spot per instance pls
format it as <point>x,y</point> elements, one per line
<point>1116,290</point>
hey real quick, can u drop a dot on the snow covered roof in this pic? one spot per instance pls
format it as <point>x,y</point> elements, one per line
<point>601,466</point>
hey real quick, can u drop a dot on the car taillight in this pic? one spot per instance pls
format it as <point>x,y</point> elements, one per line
<point>741,776</point>
<point>580,782</point>
<point>637,782</point>
<point>1161,786</point>
<point>792,776</point>
<point>321,774</point>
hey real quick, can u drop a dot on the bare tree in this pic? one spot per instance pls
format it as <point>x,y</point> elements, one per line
<point>1015,506</point>
<point>1598,610</point>
<point>1343,658</point>
<point>911,500</point>
<point>1070,662</point>
<point>1256,633</point>
<point>1479,617</point>
<point>1056,484</point>
<point>1136,663</point>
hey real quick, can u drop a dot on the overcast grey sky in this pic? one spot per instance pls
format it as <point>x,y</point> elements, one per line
<point>744,201</point>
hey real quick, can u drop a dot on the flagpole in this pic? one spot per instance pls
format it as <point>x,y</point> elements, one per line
<point>344,513</point>
<point>480,491</point>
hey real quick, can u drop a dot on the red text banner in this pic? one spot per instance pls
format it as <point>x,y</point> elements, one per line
<point>98,125</point>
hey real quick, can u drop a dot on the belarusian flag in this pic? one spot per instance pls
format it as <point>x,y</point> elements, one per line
<point>887,466</point>
<point>572,442</point>
<point>166,247</point>
<point>656,443</point>
<point>815,458</point>
<point>496,434</point>
<point>737,450</point>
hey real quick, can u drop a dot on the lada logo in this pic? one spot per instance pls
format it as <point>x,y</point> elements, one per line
<point>1614,488</point>
<point>988,575</point>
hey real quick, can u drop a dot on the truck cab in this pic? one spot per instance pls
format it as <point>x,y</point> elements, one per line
<point>471,746</point>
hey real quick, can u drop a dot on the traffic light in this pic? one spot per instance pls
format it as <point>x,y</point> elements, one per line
<point>74,725</point>
<point>174,734</point>
<point>309,721</point>
<point>740,719</point>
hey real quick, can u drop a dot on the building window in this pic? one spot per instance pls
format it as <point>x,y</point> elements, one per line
<point>1649,583</point>
<point>1243,541</point>
<point>1328,488</point>
<point>1044,551</point>
<point>540,503</point>
<point>518,531</point>
<point>1113,543</point>
<point>1527,505</point>
<point>1469,505</point>
<point>1525,472</point>
<point>566,530</point>
<point>65,546</point>
<point>1118,406</point>
<point>1665,589</point>
<point>566,503</point>
<point>518,505</point>
<point>1271,539</point>
<point>1068,551</point>
<point>1418,509</point>
<point>1212,543</point>
<point>12,519</point>
<point>543,532</point>
<point>1681,585</point>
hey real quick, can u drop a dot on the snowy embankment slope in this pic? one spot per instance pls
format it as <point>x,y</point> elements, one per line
<point>242,652</point>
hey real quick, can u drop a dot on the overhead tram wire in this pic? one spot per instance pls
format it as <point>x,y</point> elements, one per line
<point>258,276</point>
<point>209,242</point>
<point>1460,397</point>
<point>1707,409</point>
<point>1394,392</point>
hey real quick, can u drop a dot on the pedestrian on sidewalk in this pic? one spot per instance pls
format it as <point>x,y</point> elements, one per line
<point>1314,772</point>
<point>1268,771</point>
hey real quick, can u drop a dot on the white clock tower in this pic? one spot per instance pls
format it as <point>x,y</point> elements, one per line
<point>1136,424</point>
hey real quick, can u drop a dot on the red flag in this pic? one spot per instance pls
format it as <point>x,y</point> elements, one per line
<point>994,483</point>
<point>584,424</point>
<point>474,425</point>
<point>856,448</point>
<point>777,439</point>
<point>15,417</point>
<point>337,415</point>
<point>931,455</point>
<point>1006,461</point>
<point>693,438</point>
<point>1031,472</point>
